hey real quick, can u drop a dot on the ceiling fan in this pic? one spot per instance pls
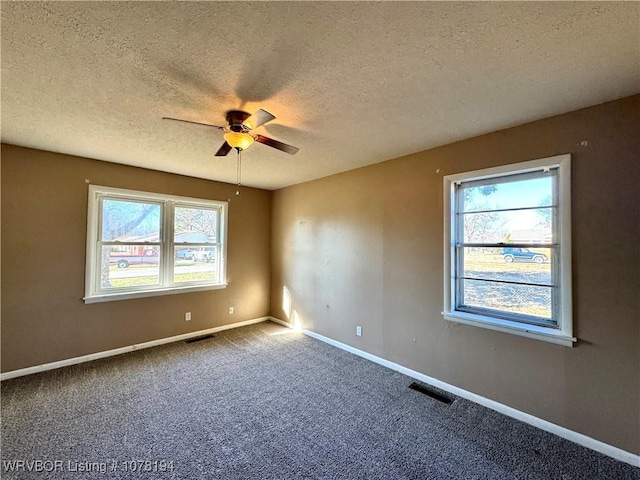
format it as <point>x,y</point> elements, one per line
<point>238,131</point>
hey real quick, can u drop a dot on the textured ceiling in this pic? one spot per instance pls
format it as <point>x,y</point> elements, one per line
<point>351,83</point>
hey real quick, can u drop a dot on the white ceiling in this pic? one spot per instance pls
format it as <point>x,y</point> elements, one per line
<point>351,83</point>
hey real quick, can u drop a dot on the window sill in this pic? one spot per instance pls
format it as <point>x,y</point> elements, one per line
<point>110,297</point>
<point>545,334</point>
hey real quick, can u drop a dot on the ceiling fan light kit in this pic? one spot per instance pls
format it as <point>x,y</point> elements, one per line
<point>239,141</point>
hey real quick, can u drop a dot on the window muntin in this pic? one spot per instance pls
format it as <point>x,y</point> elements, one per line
<point>507,238</point>
<point>141,244</point>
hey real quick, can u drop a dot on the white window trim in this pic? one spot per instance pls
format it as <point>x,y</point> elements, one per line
<point>92,292</point>
<point>563,334</point>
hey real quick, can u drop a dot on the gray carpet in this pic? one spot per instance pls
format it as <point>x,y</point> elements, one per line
<point>260,402</point>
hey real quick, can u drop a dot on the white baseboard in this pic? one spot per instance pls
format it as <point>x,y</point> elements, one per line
<point>563,432</point>
<point>130,348</point>
<point>281,322</point>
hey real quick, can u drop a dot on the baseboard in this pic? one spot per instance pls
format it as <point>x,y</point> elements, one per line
<point>130,348</point>
<point>281,322</point>
<point>563,432</point>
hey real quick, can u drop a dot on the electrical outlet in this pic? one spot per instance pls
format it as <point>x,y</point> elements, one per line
<point>358,330</point>
<point>187,317</point>
<point>230,310</point>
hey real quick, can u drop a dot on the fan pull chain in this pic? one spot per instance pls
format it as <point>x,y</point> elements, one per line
<point>239,171</point>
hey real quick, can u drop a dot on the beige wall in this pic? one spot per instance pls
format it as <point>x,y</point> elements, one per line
<point>44,216</point>
<point>366,247</point>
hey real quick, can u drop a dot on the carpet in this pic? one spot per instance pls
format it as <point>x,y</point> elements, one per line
<point>264,402</point>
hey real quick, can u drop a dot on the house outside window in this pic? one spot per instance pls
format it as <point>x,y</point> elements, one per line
<point>508,249</point>
<point>143,244</point>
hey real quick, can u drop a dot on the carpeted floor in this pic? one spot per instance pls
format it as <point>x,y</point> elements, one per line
<point>266,403</point>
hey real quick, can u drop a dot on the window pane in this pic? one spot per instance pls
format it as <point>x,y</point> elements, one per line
<point>534,192</point>
<point>127,266</point>
<point>201,264</point>
<point>130,221</point>
<point>195,225</point>
<point>524,265</point>
<point>511,298</point>
<point>530,226</point>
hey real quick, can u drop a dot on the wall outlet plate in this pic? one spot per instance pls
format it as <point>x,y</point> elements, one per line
<point>187,316</point>
<point>358,330</point>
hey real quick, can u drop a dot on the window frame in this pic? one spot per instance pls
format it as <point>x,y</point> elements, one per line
<point>560,333</point>
<point>166,245</point>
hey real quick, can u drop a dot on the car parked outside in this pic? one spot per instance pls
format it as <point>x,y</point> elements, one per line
<point>205,254</point>
<point>185,254</point>
<point>148,256</point>
<point>523,255</point>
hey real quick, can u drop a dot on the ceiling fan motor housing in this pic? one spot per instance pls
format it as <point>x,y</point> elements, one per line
<point>235,119</point>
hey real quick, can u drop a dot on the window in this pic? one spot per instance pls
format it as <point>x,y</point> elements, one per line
<point>508,249</point>
<point>142,244</point>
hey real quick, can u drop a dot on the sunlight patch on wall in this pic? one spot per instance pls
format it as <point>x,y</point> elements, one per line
<point>286,302</point>
<point>297,321</point>
<point>294,320</point>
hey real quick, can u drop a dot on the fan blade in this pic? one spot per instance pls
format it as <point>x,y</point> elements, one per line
<point>291,150</point>
<point>259,118</point>
<point>223,150</point>
<point>190,121</point>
